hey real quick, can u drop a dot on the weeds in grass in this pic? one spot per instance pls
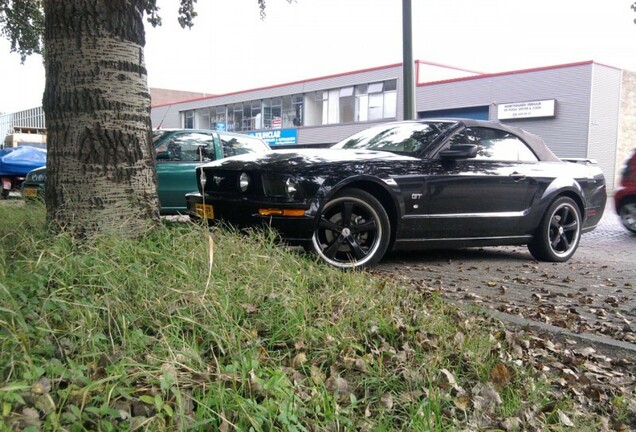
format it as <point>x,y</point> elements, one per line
<point>176,331</point>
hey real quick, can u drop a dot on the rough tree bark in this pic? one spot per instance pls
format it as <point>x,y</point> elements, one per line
<point>100,167</point>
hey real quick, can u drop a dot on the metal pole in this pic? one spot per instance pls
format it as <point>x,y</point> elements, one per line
<point>407,62</point>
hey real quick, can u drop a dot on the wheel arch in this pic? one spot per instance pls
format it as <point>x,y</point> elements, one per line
<point>568,188</point>
<point>621,199</point>
<point>380,191</point>
<point>580,203</point>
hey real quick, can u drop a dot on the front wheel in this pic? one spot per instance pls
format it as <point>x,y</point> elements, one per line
<point>559,233</point>
<point>627,213</point>
<point>353,230</point>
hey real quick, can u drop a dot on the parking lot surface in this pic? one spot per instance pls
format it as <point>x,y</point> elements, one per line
<point>593,293</point>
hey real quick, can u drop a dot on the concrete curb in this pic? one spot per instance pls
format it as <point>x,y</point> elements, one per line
<point>606,345</point>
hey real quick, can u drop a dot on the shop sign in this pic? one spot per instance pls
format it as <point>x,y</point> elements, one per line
<point>277,137</point>
<point>515,110</point>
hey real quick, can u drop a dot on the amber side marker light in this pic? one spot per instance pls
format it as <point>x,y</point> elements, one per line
<point>281,212</point>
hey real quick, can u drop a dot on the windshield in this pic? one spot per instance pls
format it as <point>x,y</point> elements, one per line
<point>236,144</point>
<point>157,134</point>
<point>403,138</point>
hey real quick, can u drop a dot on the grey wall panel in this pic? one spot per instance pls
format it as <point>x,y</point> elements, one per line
<point>604,115</point>
<point>566,133</point>
<point>165,116</point>
<point>330,134</point>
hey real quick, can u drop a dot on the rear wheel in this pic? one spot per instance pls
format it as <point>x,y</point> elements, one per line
<point>627,213</point>
<point>353,230</point>
<point>558,235</point>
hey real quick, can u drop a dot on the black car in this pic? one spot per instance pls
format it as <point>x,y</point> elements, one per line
<point>410,185</point>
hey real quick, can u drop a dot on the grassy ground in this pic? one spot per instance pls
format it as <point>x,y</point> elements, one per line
<point>190,329</point>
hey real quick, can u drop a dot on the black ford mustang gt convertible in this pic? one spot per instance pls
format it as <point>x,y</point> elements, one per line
<point>410,185</point>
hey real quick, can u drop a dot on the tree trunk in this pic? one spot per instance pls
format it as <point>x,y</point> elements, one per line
<point>101,175</point>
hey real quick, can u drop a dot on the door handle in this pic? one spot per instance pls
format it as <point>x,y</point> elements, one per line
<point>517,176</point>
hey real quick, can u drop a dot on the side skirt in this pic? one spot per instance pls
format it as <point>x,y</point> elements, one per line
<point>418,244</point>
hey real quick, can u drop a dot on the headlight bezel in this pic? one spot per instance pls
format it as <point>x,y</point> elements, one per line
<point>291,187</point>
<point>244,182</point>
<point>282,186</point>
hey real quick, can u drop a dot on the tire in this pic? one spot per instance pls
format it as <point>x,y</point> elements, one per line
<point>627,213</point>
<point>559,233</point>
<point>5,193</point>
<point>353,230</point>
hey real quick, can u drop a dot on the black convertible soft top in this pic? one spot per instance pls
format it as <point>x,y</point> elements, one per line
<point>535,142</point>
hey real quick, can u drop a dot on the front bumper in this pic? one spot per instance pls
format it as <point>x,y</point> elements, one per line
<point>294,230</point>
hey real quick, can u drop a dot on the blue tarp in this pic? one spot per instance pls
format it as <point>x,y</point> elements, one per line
<point>21,160</point>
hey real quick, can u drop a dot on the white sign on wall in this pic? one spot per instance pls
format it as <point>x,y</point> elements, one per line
<point>542,108</point>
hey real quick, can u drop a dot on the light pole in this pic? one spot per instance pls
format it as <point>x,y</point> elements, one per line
<point>408,79</point>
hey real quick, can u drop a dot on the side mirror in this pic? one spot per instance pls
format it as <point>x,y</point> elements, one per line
<point>460,151</point>
<point>164,155</point>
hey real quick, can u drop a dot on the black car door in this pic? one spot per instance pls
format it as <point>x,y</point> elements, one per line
<point>484,196</point>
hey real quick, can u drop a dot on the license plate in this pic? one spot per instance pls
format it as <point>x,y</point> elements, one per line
<point>205,211</point>
<point>31,192</point>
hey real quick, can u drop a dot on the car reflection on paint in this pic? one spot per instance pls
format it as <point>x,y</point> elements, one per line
<point>410,185</point>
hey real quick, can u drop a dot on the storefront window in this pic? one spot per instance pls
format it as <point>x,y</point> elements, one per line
<point>257,116</point>
<point>272,113</point>
<point>315,103</point>
<point>237,117</point>
<point>390,104</point>
<point>188,119</point>
<point>359,103</point>
<point>390,99</point>
<point>219,120</point>
<point>202,120</point>
<point>376,101</point>
<point>297,106</point>
<point>346,105</point>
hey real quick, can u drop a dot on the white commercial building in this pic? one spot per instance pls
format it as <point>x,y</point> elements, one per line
<point>584,110</point>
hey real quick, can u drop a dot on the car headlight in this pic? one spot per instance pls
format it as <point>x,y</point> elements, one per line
<point>244,182</point>
<point>282,186</point>
<point>291,187</point>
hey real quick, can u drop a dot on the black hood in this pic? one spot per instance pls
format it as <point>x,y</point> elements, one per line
<point>302,159</point>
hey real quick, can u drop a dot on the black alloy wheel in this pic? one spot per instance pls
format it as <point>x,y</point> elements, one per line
<point>559,233</point>
<point>353,230</point>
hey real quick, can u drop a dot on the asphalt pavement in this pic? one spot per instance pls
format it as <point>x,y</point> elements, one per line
<point>590,298</point>
<point>610,235</point>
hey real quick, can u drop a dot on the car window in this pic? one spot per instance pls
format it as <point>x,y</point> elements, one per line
<point>234,145</point>
<point>495,144</point>
<point>408,138</point>
<point>187,147</point>
<point>158,134</point>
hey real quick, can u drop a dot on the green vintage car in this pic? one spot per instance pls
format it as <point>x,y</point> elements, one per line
<point>178,152</point>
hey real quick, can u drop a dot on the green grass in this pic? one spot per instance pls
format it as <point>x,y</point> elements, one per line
<point>190,329</point>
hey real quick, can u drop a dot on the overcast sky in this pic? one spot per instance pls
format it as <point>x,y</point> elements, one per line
<point>231,49</point>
